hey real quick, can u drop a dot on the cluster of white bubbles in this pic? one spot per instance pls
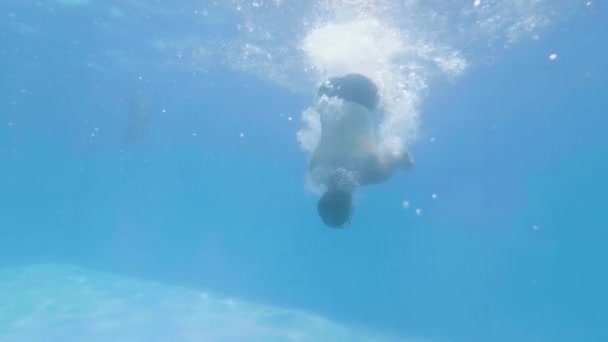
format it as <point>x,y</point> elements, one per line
<point>401,45</point>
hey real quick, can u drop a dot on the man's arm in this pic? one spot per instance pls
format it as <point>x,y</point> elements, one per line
<point>377,171</point>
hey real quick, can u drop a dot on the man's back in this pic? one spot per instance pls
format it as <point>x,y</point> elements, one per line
<point>347,137</point>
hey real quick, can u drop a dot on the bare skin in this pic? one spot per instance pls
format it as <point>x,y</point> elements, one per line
<point>349,143</point>
<point>378,171</point>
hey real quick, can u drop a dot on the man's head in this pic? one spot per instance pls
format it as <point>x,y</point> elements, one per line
<point>354,88</point>
<point>335,208</point>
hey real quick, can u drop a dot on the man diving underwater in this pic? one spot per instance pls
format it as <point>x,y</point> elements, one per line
<point>347,154</point>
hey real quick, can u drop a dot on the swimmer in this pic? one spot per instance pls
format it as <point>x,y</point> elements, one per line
<point>347,155</point>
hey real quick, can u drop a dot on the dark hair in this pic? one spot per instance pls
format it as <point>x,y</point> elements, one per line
<point>335,208</point>
<point>354,88</point>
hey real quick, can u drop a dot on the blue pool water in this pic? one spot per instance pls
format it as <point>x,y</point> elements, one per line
<point>153,159</point>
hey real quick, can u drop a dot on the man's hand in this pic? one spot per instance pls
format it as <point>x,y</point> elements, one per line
<point>406,162</point>
<point>401,161</point>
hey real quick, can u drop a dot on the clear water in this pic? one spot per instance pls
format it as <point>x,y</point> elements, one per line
<point>153,178</point>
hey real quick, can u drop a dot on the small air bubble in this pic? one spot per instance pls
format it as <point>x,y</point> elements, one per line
<point>534,227</point>
<point>553,56</point>
<point>476,3</point>
<point>434,196</point>
<point>242,135</point>
<point>418,212</point>
<point>405,204</point>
